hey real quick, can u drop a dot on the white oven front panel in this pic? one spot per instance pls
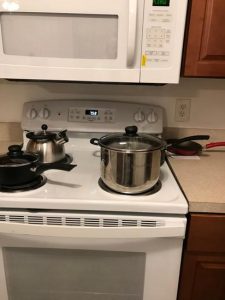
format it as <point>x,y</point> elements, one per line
<point>46,256</point>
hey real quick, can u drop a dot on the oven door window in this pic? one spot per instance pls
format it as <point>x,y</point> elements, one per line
<point>84,36</point>
<point>50,274</point>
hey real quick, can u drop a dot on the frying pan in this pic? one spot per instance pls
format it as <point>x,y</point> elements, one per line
<point>186,146</point>
<point>173,144</point>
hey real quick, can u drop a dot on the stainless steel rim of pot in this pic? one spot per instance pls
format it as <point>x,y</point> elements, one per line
<point>130,142</point>
<point>149,143</point>
<point>128,150</point>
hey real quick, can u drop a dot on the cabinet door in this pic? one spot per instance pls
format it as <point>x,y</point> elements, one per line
<point>205,42</point>
<point>203,266</point>
<point>202,277</point>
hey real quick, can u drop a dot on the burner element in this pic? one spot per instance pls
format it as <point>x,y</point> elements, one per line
<point>151,191</point>
<point>35,184</point>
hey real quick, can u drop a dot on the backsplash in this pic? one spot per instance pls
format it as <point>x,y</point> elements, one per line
<point>10,133</point>
<point>207,98</point>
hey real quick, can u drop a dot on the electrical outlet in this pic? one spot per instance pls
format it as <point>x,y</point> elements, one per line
<point>182,110</point>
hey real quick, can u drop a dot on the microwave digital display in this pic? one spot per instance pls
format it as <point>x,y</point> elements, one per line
<point>91,112</point>
<point>161,2</point>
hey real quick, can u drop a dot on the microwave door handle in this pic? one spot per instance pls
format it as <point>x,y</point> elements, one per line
<point>132,27</point>
<point>175,230</point>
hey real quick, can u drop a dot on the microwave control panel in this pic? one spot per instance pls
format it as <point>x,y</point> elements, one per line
<point>158,33</point>
<point>162,41</point>
<point>163,30</point>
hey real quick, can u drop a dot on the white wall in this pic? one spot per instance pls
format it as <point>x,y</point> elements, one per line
<point>207,106</point>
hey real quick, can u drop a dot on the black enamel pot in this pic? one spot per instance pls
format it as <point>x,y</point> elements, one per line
<point>19,168</point>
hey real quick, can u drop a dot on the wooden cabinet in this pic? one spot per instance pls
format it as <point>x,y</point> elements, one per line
<point>204,48</point>
<point>203,265</point>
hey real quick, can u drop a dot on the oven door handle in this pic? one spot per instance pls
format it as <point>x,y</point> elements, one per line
<point>172,230</point>
<point>132,27</point>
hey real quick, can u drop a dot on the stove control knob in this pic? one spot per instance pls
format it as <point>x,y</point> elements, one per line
<point>31,113</point>
<point>152,117</point>
<point>139,116</point>
<point>44,113</point>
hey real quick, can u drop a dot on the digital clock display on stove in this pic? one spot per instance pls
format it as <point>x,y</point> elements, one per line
<point>161,2</point>
<point>91,112</point>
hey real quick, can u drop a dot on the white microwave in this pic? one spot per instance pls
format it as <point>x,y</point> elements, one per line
<point>137,41</point>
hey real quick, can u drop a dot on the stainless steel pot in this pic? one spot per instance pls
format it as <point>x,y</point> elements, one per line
<point>130,162</point>
<point>48,145</point>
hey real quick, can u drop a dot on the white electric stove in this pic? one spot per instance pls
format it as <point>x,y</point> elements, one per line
<point>79,189</point>
<point>70,239</point>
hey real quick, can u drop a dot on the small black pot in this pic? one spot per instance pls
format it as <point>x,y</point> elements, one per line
<point>19,168</point>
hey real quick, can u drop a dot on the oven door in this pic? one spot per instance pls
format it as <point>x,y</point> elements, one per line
<point>82,40</point>
<point>46,256</point>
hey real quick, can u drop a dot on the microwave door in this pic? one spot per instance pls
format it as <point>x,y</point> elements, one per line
<point>82,40</point>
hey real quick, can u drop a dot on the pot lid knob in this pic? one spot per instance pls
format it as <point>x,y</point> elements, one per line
<point>15,150</point>
<point>44,127</point>
<point>131,131</point>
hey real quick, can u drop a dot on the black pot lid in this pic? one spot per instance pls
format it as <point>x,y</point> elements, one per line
<point>131,141</point>
<point>16,157</point>
<point>41,135</point>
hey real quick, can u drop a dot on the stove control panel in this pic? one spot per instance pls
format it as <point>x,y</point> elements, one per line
<point>92,116</point>
<point>99,115</point>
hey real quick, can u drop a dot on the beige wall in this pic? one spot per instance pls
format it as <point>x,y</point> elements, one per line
<point>207,106</point>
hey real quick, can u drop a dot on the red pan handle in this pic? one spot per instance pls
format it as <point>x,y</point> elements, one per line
<point>212,145</point>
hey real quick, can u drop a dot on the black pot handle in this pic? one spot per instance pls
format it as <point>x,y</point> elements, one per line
<point>63,134</point>
<point>187,139</point>
<point>94,141</point>
<point>131,131</point>
<point>39,168</point>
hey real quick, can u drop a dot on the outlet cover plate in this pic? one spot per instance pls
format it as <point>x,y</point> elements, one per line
<point>182,110</point>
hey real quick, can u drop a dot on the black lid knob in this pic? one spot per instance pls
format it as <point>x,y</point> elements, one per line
<point>44,127</point>
<point>131,131</point>
<point>15,150</point>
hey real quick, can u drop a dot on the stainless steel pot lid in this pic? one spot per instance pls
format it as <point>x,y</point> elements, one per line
<point>131,141</point>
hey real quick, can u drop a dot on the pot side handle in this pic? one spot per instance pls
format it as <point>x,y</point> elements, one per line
<point>94,141</point>
<point>42,167</point>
